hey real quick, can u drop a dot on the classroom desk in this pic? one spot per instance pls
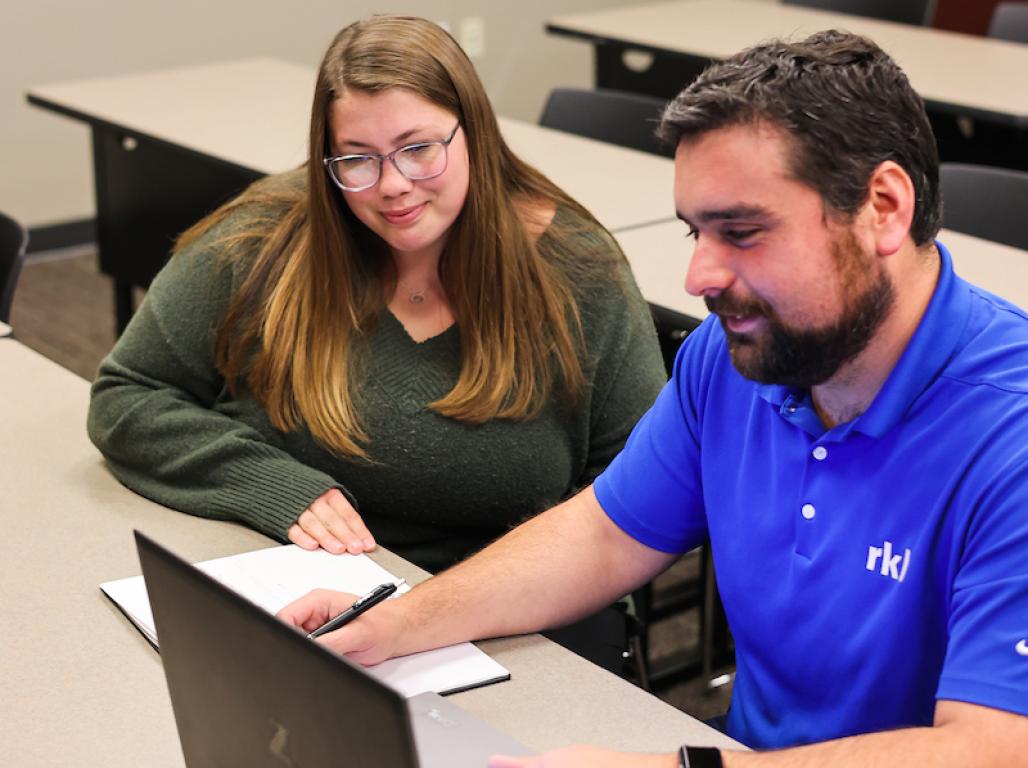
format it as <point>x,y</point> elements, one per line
<point>953,72</point>
<point>660,255</point>
<point>170,146</point>
<point>80,684</point>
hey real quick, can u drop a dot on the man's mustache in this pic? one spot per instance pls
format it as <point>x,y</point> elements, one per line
<point>726,304</point>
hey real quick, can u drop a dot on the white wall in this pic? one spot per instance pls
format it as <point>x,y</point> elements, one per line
<point>45,167</point>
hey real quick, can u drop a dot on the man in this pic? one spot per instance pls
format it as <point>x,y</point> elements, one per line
<point>850,430</point>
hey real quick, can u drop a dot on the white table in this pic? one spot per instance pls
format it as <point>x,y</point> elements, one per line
<point>660,255</point>
<point>952,71</point>
<point>80,686</point>
<point>170,145</point>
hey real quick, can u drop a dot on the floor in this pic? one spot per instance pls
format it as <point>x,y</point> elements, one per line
<point>63,309</point>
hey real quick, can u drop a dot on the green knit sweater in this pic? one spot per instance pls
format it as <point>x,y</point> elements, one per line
<point>435,490</point>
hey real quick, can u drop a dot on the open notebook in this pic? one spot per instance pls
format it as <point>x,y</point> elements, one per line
<point>271,578</point>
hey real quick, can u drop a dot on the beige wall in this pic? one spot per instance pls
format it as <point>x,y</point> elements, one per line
<point>45,170</point>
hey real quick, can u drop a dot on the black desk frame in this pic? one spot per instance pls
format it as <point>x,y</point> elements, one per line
<point>148,191</point>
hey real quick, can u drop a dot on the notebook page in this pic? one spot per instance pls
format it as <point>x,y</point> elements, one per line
<point>274,577</point>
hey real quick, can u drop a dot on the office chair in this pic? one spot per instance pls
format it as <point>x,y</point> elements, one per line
<point>917,12</point>
<point>626,119</point>
<point>13,242</point>
<point>1010,22</point>
<point>672,328</point>
<point>986,202</point>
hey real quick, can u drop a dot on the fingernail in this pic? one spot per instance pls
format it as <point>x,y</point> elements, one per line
<point>369,543</point>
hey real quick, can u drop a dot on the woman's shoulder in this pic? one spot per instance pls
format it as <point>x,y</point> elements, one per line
<point>576,233</point>
<point>269,198</point>
<point>583,249</point>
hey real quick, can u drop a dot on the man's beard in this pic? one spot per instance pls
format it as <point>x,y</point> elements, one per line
<point>805,357</point>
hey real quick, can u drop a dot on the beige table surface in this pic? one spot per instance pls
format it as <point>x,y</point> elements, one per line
<point>79,686</point>
<point>972,72</point>
<point>254,113</point>
<point>660,255</point>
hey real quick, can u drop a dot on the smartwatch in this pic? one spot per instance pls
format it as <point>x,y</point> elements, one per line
<point>699,757</point>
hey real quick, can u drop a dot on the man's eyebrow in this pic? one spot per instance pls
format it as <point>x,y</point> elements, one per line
<point>730,214</point>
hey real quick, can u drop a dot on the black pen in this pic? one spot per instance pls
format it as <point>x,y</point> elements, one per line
<point>361,604</point>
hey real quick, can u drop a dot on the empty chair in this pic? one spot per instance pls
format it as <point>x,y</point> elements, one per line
<point>919,12</point>
<point>1010,22</point>
<point>626,119</point>
<point>986,202</point>
<point>13,241</point>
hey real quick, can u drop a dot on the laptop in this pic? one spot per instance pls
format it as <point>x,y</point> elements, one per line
<point>249,690</point>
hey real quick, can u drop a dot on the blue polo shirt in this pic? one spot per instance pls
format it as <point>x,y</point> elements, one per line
<point>869,569</point>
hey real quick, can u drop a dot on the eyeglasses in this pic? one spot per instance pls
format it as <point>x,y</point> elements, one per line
<point>416,162</point>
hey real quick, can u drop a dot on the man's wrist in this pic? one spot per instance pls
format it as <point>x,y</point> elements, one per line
<point>699,757</point>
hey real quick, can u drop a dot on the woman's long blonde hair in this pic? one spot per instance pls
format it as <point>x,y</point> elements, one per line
<point>296,328</point>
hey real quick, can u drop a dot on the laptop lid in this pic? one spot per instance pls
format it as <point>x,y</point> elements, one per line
<point>248,690</point>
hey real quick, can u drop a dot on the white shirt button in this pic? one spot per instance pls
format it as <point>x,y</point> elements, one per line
<point>820,453</point>
<point>808,511</point>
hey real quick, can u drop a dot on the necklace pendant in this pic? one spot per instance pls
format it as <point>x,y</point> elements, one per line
<point>418,297</point>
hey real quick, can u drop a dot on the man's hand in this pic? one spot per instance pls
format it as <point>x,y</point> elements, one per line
<point>585,757</point>
<point>370,639</point>
<point>331,522</point>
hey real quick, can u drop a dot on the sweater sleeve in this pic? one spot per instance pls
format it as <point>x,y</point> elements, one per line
<point>627,368</point>
<point>160,414</point>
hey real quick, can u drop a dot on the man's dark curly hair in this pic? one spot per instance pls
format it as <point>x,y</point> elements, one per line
<point>843,101</point>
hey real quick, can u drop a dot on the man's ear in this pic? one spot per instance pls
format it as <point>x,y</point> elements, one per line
<point>889,207</point>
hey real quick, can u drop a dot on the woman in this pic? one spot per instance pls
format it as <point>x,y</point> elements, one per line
<point>415,340</point>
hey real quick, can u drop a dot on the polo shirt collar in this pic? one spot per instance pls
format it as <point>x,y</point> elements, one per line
<point>927,353</point>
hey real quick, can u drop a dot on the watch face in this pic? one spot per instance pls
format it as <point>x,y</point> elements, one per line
<point>699,757</point>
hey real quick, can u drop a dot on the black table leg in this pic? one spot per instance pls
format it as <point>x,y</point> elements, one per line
<point>123,308</point>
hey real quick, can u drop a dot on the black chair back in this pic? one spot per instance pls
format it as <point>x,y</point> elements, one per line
<point>1010,22</point>
<point>986,202</point>
<point>918,12</point>
<point>626,119</point>
<point>13,242</point>
<point>672,328</point>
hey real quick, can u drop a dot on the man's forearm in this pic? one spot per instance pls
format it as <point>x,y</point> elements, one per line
<point>553,569</point>
<point>976,737</point>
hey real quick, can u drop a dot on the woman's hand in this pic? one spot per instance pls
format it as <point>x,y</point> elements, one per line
<point>331,522</point>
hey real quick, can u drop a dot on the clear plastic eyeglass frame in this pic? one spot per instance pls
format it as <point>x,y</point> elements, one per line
<point>409,150</point>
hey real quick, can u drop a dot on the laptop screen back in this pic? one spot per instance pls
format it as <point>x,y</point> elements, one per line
<point>248,690</point>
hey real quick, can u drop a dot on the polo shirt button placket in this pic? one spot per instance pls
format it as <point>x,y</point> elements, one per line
<point>820,453</point>
<point>806,530</point>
